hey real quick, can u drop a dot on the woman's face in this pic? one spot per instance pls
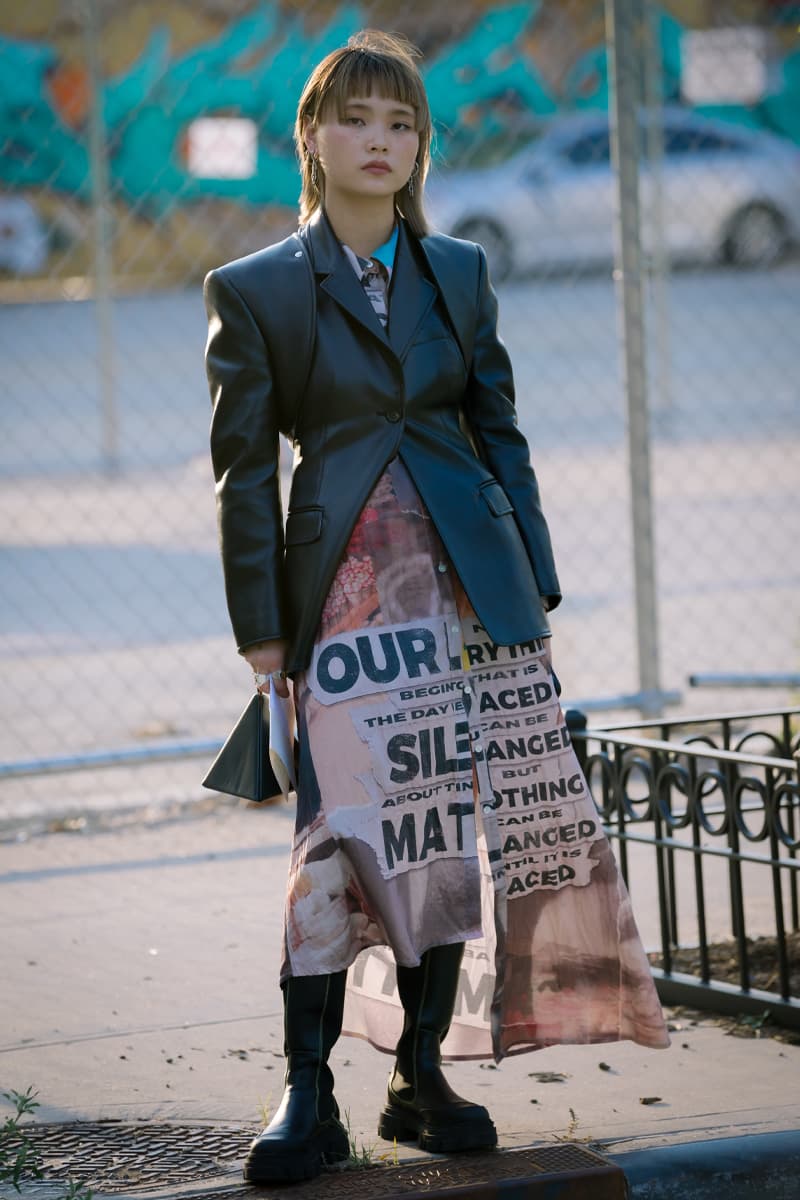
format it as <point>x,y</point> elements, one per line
<point>370,151</point>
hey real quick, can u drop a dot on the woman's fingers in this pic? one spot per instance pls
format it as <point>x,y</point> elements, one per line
<point>265,680</point>
<point>280,684</point>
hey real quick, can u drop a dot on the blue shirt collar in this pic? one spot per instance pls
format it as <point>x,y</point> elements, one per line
<point>386,252</point>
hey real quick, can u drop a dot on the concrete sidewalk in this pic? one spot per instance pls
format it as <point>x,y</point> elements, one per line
<point>139,984</point>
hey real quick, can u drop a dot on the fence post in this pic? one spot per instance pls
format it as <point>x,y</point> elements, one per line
<point>658,258</point>
<point>101,222</point>
<point>623,19</point>
<point>576,724</point>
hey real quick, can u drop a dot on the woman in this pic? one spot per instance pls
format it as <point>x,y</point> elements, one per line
<point>439,799</point>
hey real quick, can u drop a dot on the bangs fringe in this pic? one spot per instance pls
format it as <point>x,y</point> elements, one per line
<point>361,73</point>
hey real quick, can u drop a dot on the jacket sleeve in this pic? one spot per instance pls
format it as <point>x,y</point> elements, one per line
<point>245,458</point>
<point>492,416</point>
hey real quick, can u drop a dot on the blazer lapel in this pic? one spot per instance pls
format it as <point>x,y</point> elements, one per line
<point>458,294</point>
<point>339,279</point>
<point>410,295</point>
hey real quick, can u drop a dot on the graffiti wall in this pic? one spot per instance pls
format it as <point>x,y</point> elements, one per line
<point>496,72</point>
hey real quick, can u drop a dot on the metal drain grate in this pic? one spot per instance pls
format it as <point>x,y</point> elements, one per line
<point>114,1157</point>
<point>204,1163</point>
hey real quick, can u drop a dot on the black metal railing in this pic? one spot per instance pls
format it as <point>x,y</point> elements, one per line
<point>718,789</point>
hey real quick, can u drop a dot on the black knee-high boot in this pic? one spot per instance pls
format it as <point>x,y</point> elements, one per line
<point>421,1104</point>
<point>305,1131</point>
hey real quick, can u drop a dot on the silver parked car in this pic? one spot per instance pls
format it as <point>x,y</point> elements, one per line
<point>728,193</point>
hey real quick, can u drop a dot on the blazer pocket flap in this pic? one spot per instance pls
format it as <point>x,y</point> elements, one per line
<point>426,336</point>
<point>303,525</point>
<point>498,502</point>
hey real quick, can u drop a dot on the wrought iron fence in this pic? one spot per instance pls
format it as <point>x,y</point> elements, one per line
<point>714,796</point>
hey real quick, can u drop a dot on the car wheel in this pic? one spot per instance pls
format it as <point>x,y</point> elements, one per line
<point>495,242</point>
<point>757,237</point>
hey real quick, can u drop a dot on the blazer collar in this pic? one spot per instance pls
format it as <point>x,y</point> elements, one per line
<point>410,294</point>
<point>326,253</point>
<point>459,301</point>
<point>337,277</point>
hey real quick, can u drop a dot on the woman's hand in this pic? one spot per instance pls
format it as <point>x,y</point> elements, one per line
<point>266,658</point>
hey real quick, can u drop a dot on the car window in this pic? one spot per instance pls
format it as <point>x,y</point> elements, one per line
<point>685,140</point>
<point>593,149</point>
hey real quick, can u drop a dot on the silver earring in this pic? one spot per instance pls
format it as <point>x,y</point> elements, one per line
<point>314,179</point>
<point>411,178</point>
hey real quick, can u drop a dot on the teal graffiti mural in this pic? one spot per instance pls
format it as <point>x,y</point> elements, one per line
<point>586,85</point>
<point>256,69</point>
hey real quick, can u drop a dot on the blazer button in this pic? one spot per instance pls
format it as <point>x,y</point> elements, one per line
<point>393,415</point>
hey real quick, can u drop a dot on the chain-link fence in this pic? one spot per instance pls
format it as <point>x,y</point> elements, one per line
<point>142,145</point>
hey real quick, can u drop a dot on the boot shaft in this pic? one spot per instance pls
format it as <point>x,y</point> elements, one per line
<point>428,995</point>
<point>313,1006</point>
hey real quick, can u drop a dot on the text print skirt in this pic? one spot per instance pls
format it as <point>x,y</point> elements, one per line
<point>440,800</point>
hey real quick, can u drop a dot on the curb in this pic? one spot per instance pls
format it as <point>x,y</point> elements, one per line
<point>763,1165</point>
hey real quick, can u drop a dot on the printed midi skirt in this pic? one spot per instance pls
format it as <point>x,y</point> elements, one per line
<point>439,800</point>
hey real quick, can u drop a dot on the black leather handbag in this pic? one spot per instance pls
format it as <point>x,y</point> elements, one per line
<point>243,767</point>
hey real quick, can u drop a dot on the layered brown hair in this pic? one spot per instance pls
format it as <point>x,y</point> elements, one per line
<point>372,61</point>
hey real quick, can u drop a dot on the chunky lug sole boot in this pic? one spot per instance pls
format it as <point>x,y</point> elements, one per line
<point>305,1132</point>
<point>421,1105</point>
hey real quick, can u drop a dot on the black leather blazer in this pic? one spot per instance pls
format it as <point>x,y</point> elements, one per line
<point>436,389</point>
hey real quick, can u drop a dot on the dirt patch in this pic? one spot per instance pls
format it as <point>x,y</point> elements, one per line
<point>723,958</point>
